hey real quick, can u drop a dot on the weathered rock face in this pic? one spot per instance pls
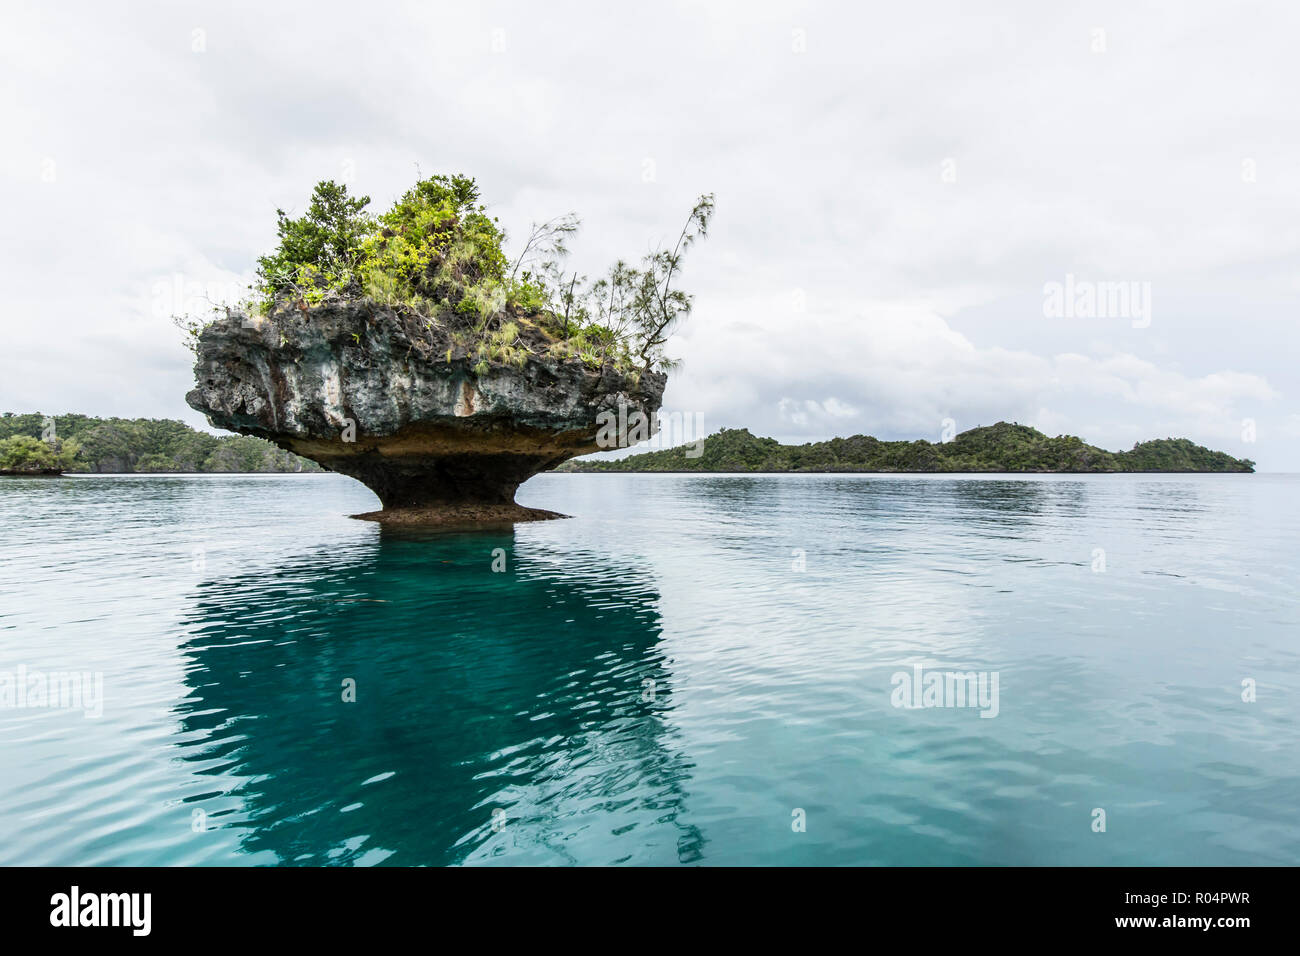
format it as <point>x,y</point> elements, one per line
<point>380,395</point>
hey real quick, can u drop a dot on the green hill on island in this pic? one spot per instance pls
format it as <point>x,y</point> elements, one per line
<point>1003,447</point>
<point>79,443</point>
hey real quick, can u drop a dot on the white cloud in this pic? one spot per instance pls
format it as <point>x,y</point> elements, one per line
<point>894,370</point>
<point>847,285</point>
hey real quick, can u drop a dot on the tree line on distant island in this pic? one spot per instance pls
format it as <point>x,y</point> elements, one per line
<point>80,443</point>
<point>1003,447</point>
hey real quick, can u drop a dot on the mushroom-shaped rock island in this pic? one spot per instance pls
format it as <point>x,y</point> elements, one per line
<point>385,396</point>
<point>409,351</point>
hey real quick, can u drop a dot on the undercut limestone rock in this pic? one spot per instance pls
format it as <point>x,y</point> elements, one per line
<point>382,395</point>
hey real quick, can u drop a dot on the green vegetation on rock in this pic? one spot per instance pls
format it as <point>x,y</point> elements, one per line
<point>1002,447</point>
<point>319,251</point>
<point>141,445</point>
<point>439,254</point>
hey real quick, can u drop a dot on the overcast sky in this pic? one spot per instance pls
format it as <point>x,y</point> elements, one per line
<point>897,185</point>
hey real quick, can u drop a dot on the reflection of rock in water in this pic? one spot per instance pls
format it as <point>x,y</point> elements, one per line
<point>540,691</point>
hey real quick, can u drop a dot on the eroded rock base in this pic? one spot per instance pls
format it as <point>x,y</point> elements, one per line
<point>460,515</point>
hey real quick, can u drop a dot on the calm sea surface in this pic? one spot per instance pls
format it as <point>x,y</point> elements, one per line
<point>693,669</point>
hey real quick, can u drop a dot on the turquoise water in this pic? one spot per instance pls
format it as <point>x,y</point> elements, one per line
<point>693,669</point>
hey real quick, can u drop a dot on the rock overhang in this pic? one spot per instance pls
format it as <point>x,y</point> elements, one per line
<point>383,395</point>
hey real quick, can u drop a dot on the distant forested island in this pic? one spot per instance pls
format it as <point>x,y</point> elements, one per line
<point>80,443</point>
<point>1004,447</point>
